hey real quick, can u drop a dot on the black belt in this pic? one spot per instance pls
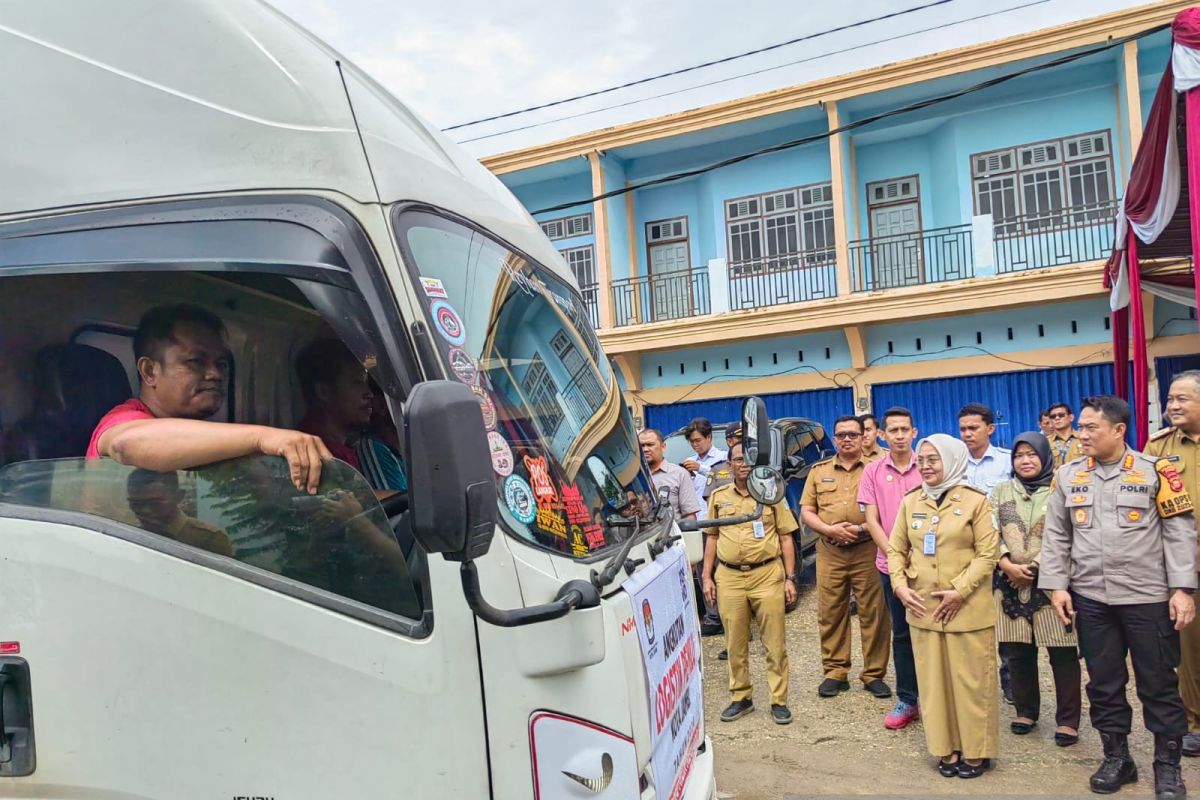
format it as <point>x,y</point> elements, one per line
<point>748,567</point>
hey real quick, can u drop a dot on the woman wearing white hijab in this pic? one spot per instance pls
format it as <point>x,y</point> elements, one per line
<point>942,552</point>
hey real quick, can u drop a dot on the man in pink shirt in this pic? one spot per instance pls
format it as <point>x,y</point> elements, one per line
<point>183,365</point>
<point>883,485</point>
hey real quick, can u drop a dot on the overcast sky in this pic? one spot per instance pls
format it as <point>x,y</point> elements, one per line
<point>459,60</point>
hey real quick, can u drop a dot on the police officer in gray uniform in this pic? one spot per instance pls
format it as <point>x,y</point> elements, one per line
<point>1118,555</point>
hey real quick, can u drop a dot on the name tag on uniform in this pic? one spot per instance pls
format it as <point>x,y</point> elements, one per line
<point>828,480</point>
<point>930,544</point>
<point>760,531</point>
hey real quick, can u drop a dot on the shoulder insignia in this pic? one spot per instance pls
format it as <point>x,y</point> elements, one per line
<point>971,488</point>
<point>1165,432</point>
<point>828,460</point>
<point>914,491</point>
<point>1172,497</point>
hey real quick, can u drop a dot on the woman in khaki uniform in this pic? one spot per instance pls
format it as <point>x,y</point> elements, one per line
<point>1025,620</point>
<point>945,547</point>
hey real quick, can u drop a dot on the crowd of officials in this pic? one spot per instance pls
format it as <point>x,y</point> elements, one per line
<point>962,560</point>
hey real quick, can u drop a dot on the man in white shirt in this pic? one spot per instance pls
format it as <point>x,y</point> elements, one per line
<point>699,433</point>
<point>987,465</point>
<point>673,478</point>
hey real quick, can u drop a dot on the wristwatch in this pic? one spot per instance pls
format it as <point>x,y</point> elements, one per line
<point>791,577</point>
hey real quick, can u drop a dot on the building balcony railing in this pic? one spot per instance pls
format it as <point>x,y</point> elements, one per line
<point>1055,238</point>
<point>778,280</point>
<point>591,301</point>
<point>668,295</point>
<point>910,259</point>
<point>1031,241</point>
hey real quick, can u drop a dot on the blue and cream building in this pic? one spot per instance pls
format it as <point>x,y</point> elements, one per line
<point>925,258</point>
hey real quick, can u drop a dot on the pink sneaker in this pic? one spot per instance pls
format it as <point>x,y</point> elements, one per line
<point>901,716</point>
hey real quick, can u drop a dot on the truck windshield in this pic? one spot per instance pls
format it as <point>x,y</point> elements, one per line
<point>563,448</point>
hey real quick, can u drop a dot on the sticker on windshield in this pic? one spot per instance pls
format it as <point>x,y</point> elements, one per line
<point>543,486</point>
<point>577,510</point>
<point>502,457</point>
<point>448,323</point>
<point>487,407</point>
<point>463,366</point>
<point>433,287</point>
<point>579,545</point>
<point>519,499</point>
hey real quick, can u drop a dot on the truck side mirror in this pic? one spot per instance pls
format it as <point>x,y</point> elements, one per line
<point>451,486</point>
<point>756,432</point>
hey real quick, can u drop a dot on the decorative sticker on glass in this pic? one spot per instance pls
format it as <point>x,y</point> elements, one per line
<point>433,287</point>
<point>518,496</point>
<point>448,323</point>
<point>579,546</point>
<point>463,366</point>
<point>543,486</point>
<point>594,535</point>
<point>502,457</point>
<point>487,407</point>
<point>577,510</point>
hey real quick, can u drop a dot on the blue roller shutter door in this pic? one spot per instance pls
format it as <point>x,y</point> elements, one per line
<point>1016,397</point>
<point>823,405</point>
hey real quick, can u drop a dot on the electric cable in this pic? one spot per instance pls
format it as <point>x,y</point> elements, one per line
<point>715,62</point>
<point>856,124</point>
<point>739,76</point>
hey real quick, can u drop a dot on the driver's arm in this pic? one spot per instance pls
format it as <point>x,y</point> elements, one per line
<point>168,444</point>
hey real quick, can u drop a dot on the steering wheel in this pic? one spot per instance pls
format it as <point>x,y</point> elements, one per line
<point>395,504</point>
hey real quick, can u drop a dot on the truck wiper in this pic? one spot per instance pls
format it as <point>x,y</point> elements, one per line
<point>606,576</point>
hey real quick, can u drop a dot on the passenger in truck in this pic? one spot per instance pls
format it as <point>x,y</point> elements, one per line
<point>183,366</point>
<point>343,411</point>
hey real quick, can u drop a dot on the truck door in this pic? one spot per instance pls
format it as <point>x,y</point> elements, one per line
<point>152,661</point>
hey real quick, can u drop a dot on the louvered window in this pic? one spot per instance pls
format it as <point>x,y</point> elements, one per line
<point>1046,186</point>
<point>892,191</point>
<point>666,230</point>
<point>568,227</point>
<point>793,229</point>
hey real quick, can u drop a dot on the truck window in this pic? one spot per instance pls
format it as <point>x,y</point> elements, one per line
<point>564,451</point>
<point>247,509</point>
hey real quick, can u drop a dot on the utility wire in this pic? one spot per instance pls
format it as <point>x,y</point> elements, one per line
<point>753,73</point>
<point>713,63</point>
<point>850,126</point>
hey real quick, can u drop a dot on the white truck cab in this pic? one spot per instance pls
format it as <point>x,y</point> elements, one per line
<point>518,624</point>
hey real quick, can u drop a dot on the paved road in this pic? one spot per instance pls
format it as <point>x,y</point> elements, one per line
<point>839,746</point>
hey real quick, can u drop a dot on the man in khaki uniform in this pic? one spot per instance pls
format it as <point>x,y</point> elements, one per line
<point>871,449</point>
<point>1064,442</point>
<point>846,561</point>
<point>1180,444</point>
<point>755,577</point>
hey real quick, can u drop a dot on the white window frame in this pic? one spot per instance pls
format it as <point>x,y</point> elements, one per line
<point>1062,170</point>
<point>571,254</point>
<point>759,222</point>
<point>568,227</point>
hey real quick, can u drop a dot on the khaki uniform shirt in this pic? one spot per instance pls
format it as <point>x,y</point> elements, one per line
<point>1065,448</point>
<point>874,455</point>
<point>1184,454</point>
<point>963,554</point>
<point>737,544</point>
<point>719,474</point>
<point>199,534</point>
<point>1119,533</point>
<point>832,490</point>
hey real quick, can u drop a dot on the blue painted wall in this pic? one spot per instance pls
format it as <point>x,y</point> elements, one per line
<point>780,356</point>
<point>680,199</point>
<point>1056,332</point>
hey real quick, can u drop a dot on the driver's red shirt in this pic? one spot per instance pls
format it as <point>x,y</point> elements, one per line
<point>129,411</point>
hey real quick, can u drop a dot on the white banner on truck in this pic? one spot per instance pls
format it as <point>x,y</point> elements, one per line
<point>665,612</point>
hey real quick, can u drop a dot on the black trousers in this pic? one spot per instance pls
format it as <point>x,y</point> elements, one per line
<point>1027,696</point>
<point>1146,633</point>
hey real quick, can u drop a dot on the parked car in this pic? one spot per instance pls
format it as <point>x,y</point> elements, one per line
<point>798,443</point>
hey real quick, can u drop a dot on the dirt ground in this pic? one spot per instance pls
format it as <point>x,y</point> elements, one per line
<point>838,746</point>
